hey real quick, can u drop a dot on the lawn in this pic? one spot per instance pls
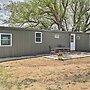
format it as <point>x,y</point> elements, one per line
<point>45,74</point>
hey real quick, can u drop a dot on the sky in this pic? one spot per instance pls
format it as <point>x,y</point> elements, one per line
<point>3,13</point>
<point>6,1</point>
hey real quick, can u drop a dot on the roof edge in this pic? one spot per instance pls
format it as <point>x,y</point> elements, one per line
<point>29,29</point>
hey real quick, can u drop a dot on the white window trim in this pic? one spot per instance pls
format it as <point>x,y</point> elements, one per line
<point>36,37</point>
<point>10,40</point>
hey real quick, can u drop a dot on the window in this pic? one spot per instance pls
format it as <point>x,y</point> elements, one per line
<point>5,39</point>
<point>38,37</point>
<point>72,38</point>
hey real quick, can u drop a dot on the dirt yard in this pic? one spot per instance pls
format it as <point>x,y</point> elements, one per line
<point>45,74</point>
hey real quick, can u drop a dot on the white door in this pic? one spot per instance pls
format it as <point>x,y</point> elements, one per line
<point>72,42</point>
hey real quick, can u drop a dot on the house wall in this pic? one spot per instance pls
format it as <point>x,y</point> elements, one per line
<point>63,39</point>
<point>82,42</point>
<point>23,43</point>
<point>89,42</point>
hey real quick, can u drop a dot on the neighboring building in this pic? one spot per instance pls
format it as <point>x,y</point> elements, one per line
<point>21,42</point>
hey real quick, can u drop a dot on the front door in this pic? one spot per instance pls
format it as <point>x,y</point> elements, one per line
<point>72,42</point>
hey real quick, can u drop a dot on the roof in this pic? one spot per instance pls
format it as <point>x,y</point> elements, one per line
<point>42,30</point>
<point>13,28</point>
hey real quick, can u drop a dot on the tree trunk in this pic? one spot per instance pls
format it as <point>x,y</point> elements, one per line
<point>59,25</point>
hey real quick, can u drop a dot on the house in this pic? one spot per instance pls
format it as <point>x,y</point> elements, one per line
<point>21,41</point>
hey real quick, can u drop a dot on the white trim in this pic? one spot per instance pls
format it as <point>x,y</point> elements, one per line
<point>36,37</point>
<point>10,39</point>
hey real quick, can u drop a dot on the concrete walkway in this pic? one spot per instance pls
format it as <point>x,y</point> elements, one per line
<point>49,56</point>
<point>70,55</point>
<point>20,58</point>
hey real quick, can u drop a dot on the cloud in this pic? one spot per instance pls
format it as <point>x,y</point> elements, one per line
<point>6,1</point>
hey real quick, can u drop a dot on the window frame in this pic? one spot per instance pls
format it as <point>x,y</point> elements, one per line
<point>38,37</point>
<point>10,39</point>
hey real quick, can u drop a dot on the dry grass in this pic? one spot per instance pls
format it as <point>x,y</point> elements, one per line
<point>44,74</point>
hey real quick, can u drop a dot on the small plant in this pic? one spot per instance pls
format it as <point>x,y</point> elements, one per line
<point>60,55</point>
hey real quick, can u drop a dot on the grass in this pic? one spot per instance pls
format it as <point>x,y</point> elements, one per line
<point>55,86</point>
<point>81,80</point>
<point>26,82</point>
<point>47,76</point>
<point>4,78</point>
<point>4,83</point>
<point>49,88</point>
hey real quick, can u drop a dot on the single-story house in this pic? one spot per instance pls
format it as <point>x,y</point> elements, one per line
<point>21,41</point>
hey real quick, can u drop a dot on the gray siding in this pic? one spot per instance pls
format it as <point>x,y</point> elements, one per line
<point>62,40</point>
<point>24,43</point>
<point>89,43</point>
<point>82,44</point>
